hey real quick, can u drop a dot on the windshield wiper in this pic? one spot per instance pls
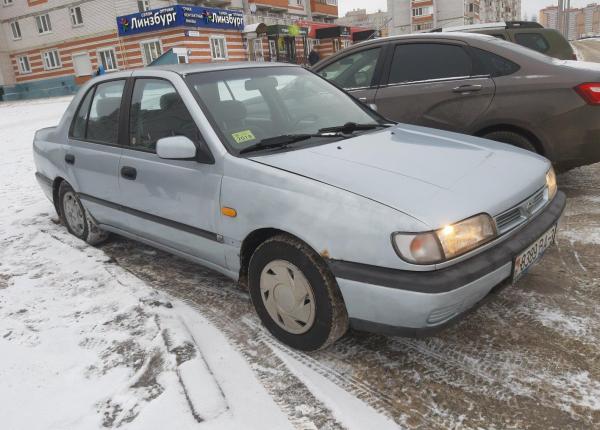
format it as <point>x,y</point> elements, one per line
<point>281,141</point>
<point>351,127</point>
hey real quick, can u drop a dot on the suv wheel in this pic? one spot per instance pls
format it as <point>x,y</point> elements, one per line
<point>511,138</point>
<point>77,220</point>
<point>295,294</point>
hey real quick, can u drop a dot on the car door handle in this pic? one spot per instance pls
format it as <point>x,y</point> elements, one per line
<point>467,88</point>
<point>128,173</point>
<point>69,159</point>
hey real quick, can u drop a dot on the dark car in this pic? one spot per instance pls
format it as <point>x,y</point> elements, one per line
<point>531,35</point>
<point>480,85</point>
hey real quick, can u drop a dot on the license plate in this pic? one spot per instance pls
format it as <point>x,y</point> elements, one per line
<point>532,254</point>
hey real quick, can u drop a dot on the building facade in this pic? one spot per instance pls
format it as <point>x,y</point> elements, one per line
<point>50,47</point>
<point>411,16</point>
<point>360,18</point>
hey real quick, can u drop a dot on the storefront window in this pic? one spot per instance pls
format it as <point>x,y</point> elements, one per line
<point>108,59</point>
<point>51,59</point>
<point>151,50</point>
<point>218,48</point>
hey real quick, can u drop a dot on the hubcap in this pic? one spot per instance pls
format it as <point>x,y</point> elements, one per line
<point>287,296</point>
<point>73,213</point>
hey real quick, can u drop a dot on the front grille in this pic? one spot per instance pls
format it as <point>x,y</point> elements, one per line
<point>517,215</point>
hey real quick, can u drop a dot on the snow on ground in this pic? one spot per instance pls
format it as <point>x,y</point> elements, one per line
<point>85,344</point>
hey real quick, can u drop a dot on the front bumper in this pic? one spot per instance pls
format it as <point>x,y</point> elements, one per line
<point>404,302</point>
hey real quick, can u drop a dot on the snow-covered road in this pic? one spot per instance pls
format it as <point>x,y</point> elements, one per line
<point>128,336</point>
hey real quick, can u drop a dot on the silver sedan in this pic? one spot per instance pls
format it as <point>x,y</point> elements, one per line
<point>331,215</point>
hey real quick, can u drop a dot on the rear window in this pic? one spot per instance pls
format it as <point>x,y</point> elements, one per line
<point>534,41</point>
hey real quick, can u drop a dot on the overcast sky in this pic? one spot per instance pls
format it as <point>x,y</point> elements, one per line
<point>529,7</point>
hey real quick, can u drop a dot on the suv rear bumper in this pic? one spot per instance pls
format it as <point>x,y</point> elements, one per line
<point>404,302</point>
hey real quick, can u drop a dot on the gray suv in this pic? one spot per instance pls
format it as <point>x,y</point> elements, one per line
<point>479,85</point>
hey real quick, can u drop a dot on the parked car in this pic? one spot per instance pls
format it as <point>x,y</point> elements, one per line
<point>479,85</point>
<point>529,34</point>
<point>329,214</point>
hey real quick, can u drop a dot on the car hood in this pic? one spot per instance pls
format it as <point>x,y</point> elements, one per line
<point>435,176</point>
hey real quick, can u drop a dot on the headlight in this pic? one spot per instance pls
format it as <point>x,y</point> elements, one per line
<point>551,183</point>
<point>445,243</point>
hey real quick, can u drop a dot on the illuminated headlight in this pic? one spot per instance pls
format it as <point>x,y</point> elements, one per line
<point>551,183</point>
<point>445,243</point>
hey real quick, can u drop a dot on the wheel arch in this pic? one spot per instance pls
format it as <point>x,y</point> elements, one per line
<point>55,188</point>
<point>532,137</point>
<point>253,240</point>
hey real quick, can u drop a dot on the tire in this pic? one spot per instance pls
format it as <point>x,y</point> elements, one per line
<point>77,220</point>
<point>512,138</point>
<point>317,315</point>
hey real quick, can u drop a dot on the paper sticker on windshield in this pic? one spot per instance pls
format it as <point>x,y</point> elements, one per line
<point>243,136</point>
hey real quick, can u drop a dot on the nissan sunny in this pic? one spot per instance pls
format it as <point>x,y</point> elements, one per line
<point>330,215</point>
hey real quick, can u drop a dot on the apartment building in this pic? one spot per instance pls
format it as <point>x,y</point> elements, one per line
<point>50,47</point>
<point>410,16</point>
<point>582,22</point>
<point>360,18</point>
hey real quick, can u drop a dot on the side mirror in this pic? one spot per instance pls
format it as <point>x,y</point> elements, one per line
<point>176,148</point>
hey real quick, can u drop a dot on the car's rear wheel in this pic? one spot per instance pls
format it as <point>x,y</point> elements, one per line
<point>295,295</point>
<point>74,216</point>
<point>512,138</point>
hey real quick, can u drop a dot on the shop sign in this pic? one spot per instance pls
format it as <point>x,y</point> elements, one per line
<point>179,16</point>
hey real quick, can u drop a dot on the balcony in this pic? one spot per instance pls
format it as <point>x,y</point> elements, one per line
<point>277,5</point>
<point>321,8</point>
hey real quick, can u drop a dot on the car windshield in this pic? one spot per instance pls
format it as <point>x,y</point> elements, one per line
<point>266,107</point>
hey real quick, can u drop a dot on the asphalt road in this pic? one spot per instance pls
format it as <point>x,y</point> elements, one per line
<point>527,359</point>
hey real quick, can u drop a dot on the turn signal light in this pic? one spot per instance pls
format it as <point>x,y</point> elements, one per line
<point>590,92</point>
<point>230,212</point>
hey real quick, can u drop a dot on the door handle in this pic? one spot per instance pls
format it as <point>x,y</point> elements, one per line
<point>128,173</point>
<point>467,88</point>
<point>69,159</point>
<point>362,99</point>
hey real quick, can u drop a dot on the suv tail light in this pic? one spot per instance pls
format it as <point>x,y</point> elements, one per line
<point>590,92</point>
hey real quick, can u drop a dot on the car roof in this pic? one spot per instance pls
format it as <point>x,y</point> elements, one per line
<point>185,69</point>
<point>435,36</point>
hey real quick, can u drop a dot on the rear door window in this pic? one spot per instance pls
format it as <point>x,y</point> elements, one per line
<point>485,63</point>
<point>413,62</point>
<point>80,121</point>
<point>533,41</point>
<point>103,121</point>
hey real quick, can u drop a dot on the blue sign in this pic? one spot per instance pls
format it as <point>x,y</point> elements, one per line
<point>179,16</point>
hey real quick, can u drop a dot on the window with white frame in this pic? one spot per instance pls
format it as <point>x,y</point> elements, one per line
<point>24,66</point>
<point>16,30</point>
<point>76,16</point>
<point>422,11</point>
<point>43,23</point>
<point>151,50</point>
<point>51,59</point>
<point>7,2</point>
<point>218,47</point>
<point>143,5</point>
<point>108,58</point>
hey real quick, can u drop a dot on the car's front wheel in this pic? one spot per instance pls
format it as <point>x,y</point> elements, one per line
<point>295,295</point>
<point>74,216</point>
